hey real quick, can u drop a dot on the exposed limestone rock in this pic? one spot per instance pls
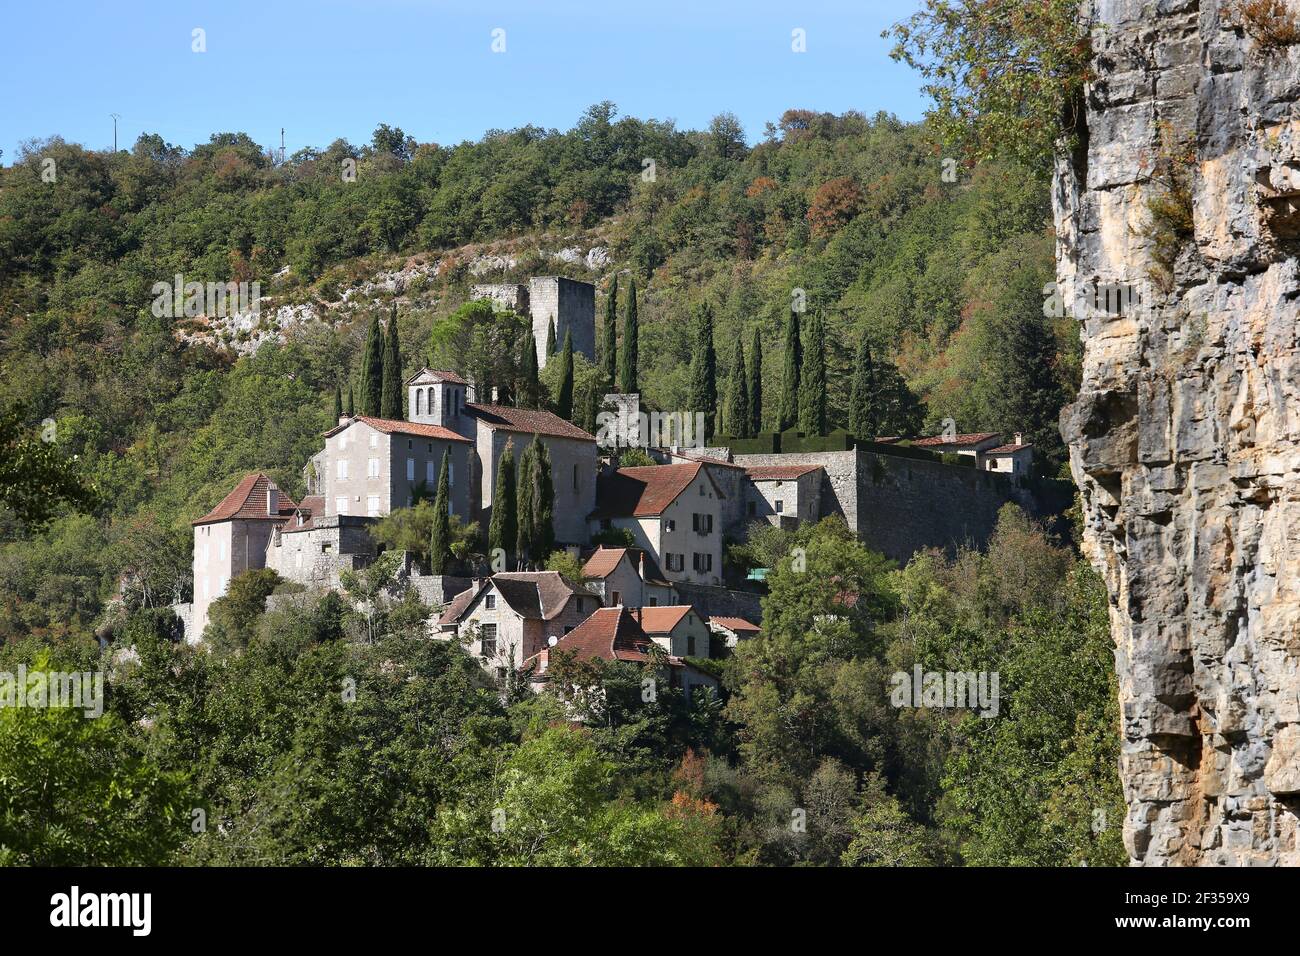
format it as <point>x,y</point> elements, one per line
<point>1185,438</point>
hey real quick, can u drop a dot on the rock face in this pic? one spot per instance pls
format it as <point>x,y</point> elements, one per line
<point>1185,438</point>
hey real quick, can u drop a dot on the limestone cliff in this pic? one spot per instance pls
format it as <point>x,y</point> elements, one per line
<point>1185,438</point>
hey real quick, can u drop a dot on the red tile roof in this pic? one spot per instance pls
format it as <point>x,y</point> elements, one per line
<point>455,608</point>
<point>736,624</point>
<point>779,472</point>
<point>248,502</point>
<point>646,491</point>
<point>661,620</point>
<point>391,426</point>
<point>1005,449</point>
<point>603,562</point>
<point>527,421</point>
<point>611,634</point>
<point>970,438</point>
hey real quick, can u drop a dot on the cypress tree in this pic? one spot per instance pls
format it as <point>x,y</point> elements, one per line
<point>352,405</point>
<point>591,408</point>
<point>550,337</point>
<point>564,401</point>
<point>503,529</point>
<point>440,536</point>
<point>628,360</point>
<point>372,370</point>
<point>609,355</point>
<point>789,411</point>
<point>812,386</point>
<point>525,532</point>
<point>738,417</point>
<point>338,404</point>
<point>755,380</point>
<point>529,386</point>
<point>863,417</point>
<point>543,502</point>
<point>703,394</point>
<point>391,398</point>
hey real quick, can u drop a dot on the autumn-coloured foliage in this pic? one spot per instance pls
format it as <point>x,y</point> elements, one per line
<point>1272,24</point>
<point>760,185</point>
<point>833,205</point>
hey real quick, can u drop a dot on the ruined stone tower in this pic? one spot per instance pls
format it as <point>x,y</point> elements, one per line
<point>1185,438</point>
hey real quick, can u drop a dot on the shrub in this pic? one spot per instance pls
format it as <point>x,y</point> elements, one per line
<point>1272,24</point>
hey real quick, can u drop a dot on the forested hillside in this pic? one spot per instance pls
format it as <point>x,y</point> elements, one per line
<point>943,278</point>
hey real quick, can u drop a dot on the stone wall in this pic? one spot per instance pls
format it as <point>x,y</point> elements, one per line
<point>503,295</point>
<point>1184,439</point>
<point>725,602</point>
<point>573,306</point>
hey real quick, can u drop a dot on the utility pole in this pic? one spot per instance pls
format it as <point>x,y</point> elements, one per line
<point>116,117</point>
<point>281,145</point>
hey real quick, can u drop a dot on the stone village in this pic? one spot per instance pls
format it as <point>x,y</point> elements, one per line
<point>668,588</point>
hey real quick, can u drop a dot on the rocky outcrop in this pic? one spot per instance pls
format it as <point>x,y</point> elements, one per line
<point>1185,438</point>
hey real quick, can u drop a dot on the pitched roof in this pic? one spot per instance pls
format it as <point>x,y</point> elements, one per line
<point>603,562</point>
<point>661,620</point>
<point>553,592</point>
<point>437,375</point>
<point>646,491</point>
<point>313,504</point>
<point>392,426</point>
<point>970,438</point>
<point>736,624</point>
<point>705,460</point>
<point>779,472</point>
<point>248,502</point>
<point>536,595</point>
<point>457,605</point>
<point>611,633</point>
<point>527,421</point>
<point>1005,449</point>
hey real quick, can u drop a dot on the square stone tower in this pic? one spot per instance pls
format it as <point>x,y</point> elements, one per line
<point>573,306</point>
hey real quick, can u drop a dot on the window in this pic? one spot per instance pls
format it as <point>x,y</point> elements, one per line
<point>372,506</point>
<point>701,524</point>
<point>488,643</point>
<point>410,469</point>
<point>690,645</point>
<point>670,525</point>
<point>428,472</point>
<point>343,440</point>
<point>451,473</point>
<point>575,477</point>
<point>419,401</point>
<point>374,439</point>
<point>326,547</point>
<point>751,508</point>
<point>221,551</point>
<point>702,562</point>
<point>341,505</point>
<point>579,605</point>
<point>653,602</point>
<point>341,469</point>
<point>429,449</point>
<point>778,505</point>
<point>568,628</point>
<point>701,491</point>
<point>372,467</point>
<point>490,602</point>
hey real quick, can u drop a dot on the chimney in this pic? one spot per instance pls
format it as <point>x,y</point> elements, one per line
<point>1020,438</point>
<point>272,499</point>
<point>344,419</point>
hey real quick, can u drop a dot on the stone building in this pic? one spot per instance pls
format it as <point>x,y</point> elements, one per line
<point>678,629</point>
<point>570,304</point>
<point>784,495</point>
<point>674,512</point>
<point>511,616</point>
<point>614,634</point>
<point>627,576</point>
<point>232,538</point>
<point>730,631</point>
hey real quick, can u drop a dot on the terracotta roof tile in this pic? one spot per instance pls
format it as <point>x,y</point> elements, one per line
<point>736,624</point>
<point>661,620</point>
<point>611,633</point>
<point>438,375</point>
<point>970,438</point>
<point>603,562</point>
<point>1005,449</point>
<point>248,502</point>
<point>451,614</point>
<point>527,421</point>
<point>390,426</point>
<point>644,492</point>
<point>779,472</point>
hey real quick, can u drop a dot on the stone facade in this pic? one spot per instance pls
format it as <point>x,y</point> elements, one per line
<point>315,554</point>
<point>222,550</point>
<point>503,295</point>
<point>572,305</point>
<point>1184,439</point>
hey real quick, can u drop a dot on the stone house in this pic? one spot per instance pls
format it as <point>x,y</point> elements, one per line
<point>512,615</point>
<point>784,495</point>
<point>678,629</point>
<point>1014,458</point>
<point>732,630</point>
<point>374,465</point>
<point>672,511</point>
<point>627,576</point>
<point>614,634</point>
<point>232,538</point>
<point>314,548</point>
<point>733,482</point>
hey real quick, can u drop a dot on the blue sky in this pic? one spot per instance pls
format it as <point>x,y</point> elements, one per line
<point>330,68</point>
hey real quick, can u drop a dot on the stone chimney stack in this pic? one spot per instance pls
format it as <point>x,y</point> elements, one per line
<point>272,499</point>
<point>1020,438</point>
